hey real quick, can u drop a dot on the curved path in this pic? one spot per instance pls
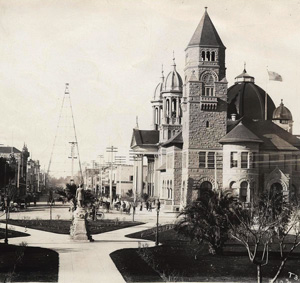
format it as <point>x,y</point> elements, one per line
<point>85,262</point>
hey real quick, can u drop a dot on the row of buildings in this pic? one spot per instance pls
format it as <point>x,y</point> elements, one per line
<point>28,176</point>
<point>98,178</point>
<point>208,135</point>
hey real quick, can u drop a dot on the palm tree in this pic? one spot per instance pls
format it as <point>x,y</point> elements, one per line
<point>206,220</point>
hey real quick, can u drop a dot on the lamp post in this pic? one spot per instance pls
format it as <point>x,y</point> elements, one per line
<point>6,219</point>
<point>157,221</point>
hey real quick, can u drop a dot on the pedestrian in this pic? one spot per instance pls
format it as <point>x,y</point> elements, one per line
<point>150,207</point>
<point>147,205</point>
<point>158,205</point>
<point>141,207</point>
<point>123,206</point>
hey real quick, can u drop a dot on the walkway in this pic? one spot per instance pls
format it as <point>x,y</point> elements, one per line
<point>85,262</point>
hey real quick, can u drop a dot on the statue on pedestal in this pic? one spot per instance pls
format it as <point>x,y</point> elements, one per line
<point>78,230</point>
<point>80,196</point>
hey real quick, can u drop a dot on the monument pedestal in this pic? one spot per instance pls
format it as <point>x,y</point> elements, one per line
<point>78,229</point>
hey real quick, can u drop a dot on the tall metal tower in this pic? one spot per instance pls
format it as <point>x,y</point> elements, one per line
<point>64,138</point>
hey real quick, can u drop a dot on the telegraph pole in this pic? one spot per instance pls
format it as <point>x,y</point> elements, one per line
<point>111,150</point>
<point>72,157</point>
<point>119,161</point>
<point>100,172</point>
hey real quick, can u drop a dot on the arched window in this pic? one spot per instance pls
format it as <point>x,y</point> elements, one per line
<point>156,116</point>
<point>203,55</point>
<point>207,124</point>
<point>168,188</point>
<point>276,188</point>
<point>206,185</point>
<point>213,56</point>
<point>233,186</point>
<point>243,191</point>
<point>174,108</point>
<point>208,56</point>
<point>168,107</point>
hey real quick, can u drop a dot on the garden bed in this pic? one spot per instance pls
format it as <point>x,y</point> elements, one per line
<point>63,226</point>
<point>179,259</point>
<point>11,233</point>
<point>133,268</point>
<point>27,264</point>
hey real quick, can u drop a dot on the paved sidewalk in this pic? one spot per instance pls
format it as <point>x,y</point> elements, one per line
<point>85,262</point>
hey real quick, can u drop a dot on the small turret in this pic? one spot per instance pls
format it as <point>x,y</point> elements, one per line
<point>282,116</point>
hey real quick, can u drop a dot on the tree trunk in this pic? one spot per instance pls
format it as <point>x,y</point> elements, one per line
<point>278,271</point>
<point>259,277</point>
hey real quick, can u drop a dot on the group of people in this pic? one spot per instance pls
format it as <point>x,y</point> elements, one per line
<point>16,204</point>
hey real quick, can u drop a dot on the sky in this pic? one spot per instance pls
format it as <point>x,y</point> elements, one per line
<point>111,52</point>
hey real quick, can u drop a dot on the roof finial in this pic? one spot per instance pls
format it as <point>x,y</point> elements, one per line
<point>205,9</point>
<point>137,122</point>
<point>281,101</point>
<point>162,71</point>
<point>245,67</point>
<point>174,64</point>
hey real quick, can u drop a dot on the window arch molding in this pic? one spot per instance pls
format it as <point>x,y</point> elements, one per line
<point>206,74</point>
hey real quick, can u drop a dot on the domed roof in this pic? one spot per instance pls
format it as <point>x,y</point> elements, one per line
<point>173,81</point>
<point>159,88</point>
<point>282,113</point>
<point>157,92</point>
<point>246,99</point>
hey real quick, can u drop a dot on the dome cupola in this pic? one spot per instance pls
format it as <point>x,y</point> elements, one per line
<point>173,81</point>
<point>282,113</point>
<point>159,88</point>
<point>246,99</point>
<point>244,77</point>
<point>282,117</point>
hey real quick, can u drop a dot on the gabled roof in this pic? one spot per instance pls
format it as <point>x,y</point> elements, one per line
<point>9,149</point>
<point>175,140</point>
<point>272,136</point>
<point>144,137</point>
<point>240,134</point>
<point>206,34</point>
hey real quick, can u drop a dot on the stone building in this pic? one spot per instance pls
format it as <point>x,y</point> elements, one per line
<point>35,179</point>
<point>206,135</point>
<point>18,160</point>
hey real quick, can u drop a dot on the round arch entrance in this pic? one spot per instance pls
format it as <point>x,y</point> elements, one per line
<point>276,188</point>
<point>204,187</point>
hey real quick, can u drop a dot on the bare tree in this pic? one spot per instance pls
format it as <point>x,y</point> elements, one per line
<point>270,222</point>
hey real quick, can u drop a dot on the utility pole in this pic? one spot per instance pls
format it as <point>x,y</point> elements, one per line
<point>111,150</point>
<point>72,157</point>
<point>157,223</point>
<point>100,172</point>
<point>6,206</point>
<point>119,161</point>
<point>133,157</point>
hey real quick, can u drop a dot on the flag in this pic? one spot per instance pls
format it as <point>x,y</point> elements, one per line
<point>274,76</point>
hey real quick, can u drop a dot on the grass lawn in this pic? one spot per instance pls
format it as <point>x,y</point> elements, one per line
<point>178,259</point>
<point>27,264</point>
<point>11,233</point>
<point>133,268</point>
<point>63,226</point>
